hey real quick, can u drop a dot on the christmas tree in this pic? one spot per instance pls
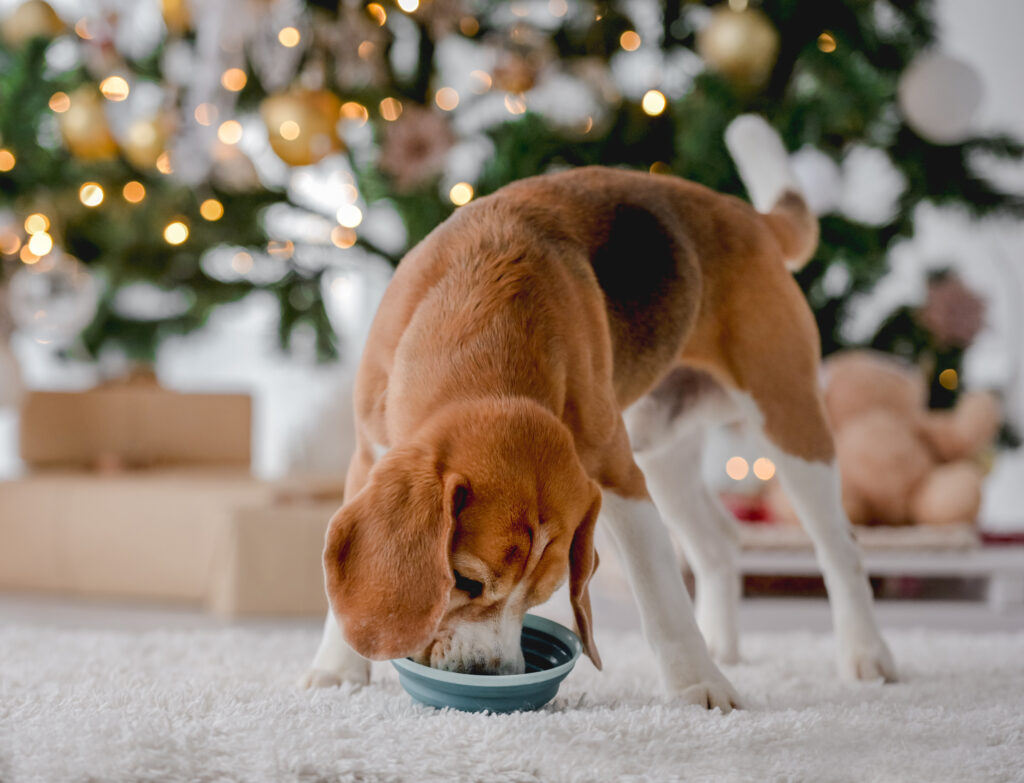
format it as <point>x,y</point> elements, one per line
<point>159,160</point>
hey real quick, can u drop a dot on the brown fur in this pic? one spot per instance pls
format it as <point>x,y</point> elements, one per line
<point>501,357</point>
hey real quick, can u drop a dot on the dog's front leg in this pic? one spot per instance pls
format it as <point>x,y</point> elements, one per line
<point>335,662</point>
<point>666,611</point>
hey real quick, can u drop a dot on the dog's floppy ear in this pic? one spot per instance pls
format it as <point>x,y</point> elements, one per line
<point>386,558</point>
<point>583,562</point>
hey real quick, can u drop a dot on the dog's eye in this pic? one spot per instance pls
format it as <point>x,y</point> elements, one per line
<point>466,585</point>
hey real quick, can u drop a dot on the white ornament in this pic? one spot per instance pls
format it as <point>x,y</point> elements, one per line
<point>54,299</point>
<point>938,96</point>
<point>872,186</point>
<point>819,177</point>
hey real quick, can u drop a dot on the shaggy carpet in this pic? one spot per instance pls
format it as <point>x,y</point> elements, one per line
<point>220,705</point>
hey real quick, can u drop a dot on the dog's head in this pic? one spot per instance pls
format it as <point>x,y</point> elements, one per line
<point>458,533</point>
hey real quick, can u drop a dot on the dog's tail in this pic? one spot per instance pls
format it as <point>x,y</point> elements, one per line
<point>764,167</point>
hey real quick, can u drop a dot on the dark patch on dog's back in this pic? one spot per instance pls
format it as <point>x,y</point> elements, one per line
<point>650,285</point>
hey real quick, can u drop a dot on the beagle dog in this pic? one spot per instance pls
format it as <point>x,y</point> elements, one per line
<point>555,352</point>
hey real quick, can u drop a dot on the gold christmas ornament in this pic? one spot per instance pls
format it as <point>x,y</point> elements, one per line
<point>302,125</point>
<point>741,45</point>
<point>143,142</point>
<point>84,126</point>
<point>31,19</point>
<point>177,16</point>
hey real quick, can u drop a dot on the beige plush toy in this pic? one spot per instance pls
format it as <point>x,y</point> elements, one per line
<point>900,462</point>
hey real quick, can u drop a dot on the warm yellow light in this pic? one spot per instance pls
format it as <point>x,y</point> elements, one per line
<point>163,163</point>
<point>36,222</point>
<point>7,160</point>
<point>948,379</point>
<point>60,102</point>
<point>764,468</point>
<point>176,232</point>
<point>588,124</point>
<point>230,132</point>
<point>349,215</point>
<point>654,102</point>
<point>289,130</point>
<point>289,36</point>
<point>343,237</point>
<point>133,192</point>
<point>241,262</point>
<point>558,7</point>
<point>9,244</point>
<point>630,40</point>
<point>515,104</point>
<point>40,244</point>
<point>114,88</point>
<point>481,81</point>
<point>366,50</point>
<point>82,29</point>
<point>27,256</point>
<point>827,42</point>
<point>211,209</point>
<point>376,10</point>
<point>206,114</point>
<point>390,109</point>
<point>91,194</point>
<point>461,193</point>
<point>660,167</point>
<point>279,249</point>
<point>469,26</point>
<point>446,98</point>
<point>408,5</point>
<point>349,193</point>
<point>350,110</point>
<point>233,79</point>
<point>736,468</point>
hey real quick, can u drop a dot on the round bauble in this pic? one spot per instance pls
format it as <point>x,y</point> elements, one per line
<point>31,19</point>
<point>177,16</point>
<point>938,96</point>
<point>53,299</point>
<point>302,125</point>
<point>84,126</point>
<point>144,141</point>
<point>741,45</point>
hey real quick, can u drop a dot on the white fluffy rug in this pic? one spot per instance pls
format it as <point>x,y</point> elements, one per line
<point>219,705</point>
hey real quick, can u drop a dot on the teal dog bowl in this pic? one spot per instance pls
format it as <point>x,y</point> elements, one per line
<point>550,651</point>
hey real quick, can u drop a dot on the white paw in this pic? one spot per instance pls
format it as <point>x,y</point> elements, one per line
<point>868,661</point>
<point>322,678</point>
<point>711,694</point>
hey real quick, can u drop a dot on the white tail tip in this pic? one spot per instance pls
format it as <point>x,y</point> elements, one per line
<point>762,160</point>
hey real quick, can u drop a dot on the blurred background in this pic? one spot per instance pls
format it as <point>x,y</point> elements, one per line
<point>202,202</point>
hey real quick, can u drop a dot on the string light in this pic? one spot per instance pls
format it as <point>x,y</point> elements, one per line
<point>233,79</point>
<point>629,40</point>
<point>343,237</point>
<point>764,468</point>
<point>736,468</point>
<point>660,167</point>
<point>60,102</point>
<point>469,26</point>
<point>390,109</point>
<point>10,244</point>
<point>230,132</point>
<point>355,112</point>
<point>91,194</point>
<point>163,163</point>
<point>461,193</point>
<point>40,244</point>
<point>349,215</point>
<point>206,114</point>
<point>558,8</point>
<point>515,104</point>
<point>27,256</point>
<point>446,98</point>
<point>289,37</point>
<point>588,124</point>
<point>376,10</point>
<point>827,42</point>
<point>7,160</point>
<point>176,232</point>
<point>481,81</point>
<point>36,222</point>
<point>211,210</point>
<point>366,50</point>
<point>654,102</point>
<point>133,192</point>
<point>114,88</point>
<point>241,262</point>
<point>278,249</point>
<point>948,379</point>
<point>349,193</point>
<point>82,29</point>
<point>289,130</point>
<point>409,6</point>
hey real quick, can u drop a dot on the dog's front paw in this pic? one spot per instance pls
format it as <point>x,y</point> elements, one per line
<point>867,660</point>
<point>322,678</point>
<point>711,690</point>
